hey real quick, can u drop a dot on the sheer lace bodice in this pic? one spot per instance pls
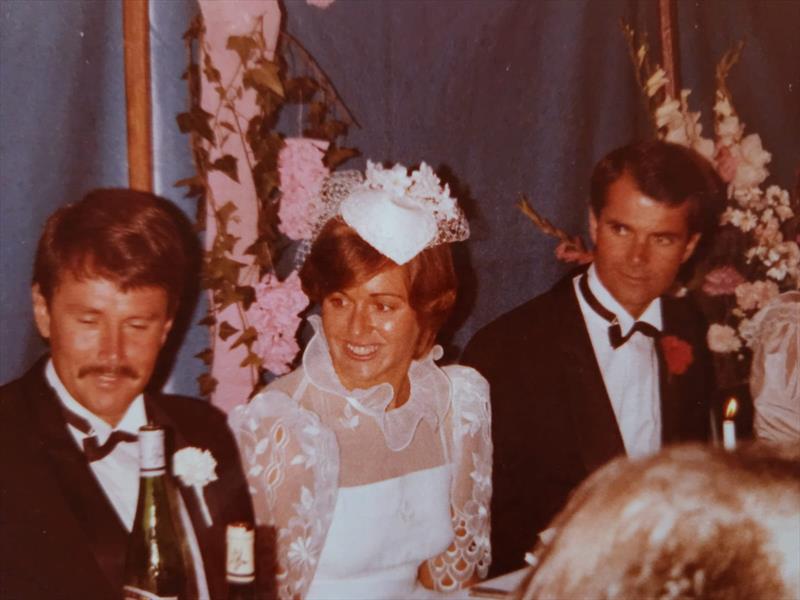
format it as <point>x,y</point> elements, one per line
<point>306,435</point>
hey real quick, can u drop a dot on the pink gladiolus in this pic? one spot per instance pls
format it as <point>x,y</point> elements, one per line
<point>727,164</point>
<point>302,173</point>
<point>722,281</point>
<point>275,315</point>
<point>571,253</point>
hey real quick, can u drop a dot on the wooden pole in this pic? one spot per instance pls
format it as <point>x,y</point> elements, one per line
<point>136,31</point>
<point>670,57</point>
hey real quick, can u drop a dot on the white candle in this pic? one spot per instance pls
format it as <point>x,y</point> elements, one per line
<point>729,434</point>
<point>729,425</point>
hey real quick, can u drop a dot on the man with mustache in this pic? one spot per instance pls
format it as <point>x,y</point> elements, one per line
<point>606,362</point>
<point>109,276</point>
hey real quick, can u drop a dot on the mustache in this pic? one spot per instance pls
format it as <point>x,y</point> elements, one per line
<point>113,371</point>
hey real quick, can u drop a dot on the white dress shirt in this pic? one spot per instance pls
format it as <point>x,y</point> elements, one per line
<point>118,471</point>
<point>630,372</point>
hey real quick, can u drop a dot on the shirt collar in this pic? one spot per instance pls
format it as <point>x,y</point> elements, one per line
<point>651,315</point>
<point>134,418</point>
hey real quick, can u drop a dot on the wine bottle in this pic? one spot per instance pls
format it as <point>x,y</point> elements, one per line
<point>240,562</point>
<point>154,565</point>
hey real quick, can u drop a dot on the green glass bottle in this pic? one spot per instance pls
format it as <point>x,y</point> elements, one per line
<point>154,564</point>
<point>239,562</point>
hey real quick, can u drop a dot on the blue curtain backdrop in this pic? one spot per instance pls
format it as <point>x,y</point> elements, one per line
<point>503,97</point>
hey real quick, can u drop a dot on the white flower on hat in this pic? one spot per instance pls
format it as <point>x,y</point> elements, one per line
<point>400,214</point>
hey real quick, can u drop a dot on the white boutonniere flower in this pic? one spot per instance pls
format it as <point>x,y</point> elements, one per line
<point>196,468</point>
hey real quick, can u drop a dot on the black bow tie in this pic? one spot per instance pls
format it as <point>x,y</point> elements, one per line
<point>93,450</point>
<point>615,336</point>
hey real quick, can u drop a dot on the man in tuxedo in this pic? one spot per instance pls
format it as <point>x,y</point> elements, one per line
<point>110,273</point>
<point>604,363</point>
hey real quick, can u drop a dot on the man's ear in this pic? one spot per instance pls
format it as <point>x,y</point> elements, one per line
<point>690,246</point>
<point>592,226</point>
<point>41,312</point>
<point>166,330</point>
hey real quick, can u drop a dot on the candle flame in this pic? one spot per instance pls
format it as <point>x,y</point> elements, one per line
<point>731,407</point>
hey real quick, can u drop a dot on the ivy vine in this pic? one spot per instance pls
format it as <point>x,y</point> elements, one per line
<point>290,78</point>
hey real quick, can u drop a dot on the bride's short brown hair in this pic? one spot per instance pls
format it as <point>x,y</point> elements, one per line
<point>340,258</point>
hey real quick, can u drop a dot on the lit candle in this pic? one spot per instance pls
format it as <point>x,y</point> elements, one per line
<point>729,425</point>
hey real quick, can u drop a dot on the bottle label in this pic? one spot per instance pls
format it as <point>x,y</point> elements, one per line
<point>130,592</point>
<point>151,452</point>
<point>240,564</point>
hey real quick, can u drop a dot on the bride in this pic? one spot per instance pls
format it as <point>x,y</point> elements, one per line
<point>372,463</point>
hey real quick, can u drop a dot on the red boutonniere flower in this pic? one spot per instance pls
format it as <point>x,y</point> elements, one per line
<point>677,354</point>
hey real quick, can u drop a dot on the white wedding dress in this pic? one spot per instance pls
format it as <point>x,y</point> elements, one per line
<point>775,371</point>
<point>359,496</point>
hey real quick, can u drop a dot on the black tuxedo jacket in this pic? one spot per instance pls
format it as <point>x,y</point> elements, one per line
<point>60,536</point>
<point>552,420</point>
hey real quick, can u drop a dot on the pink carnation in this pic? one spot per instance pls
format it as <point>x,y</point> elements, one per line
<point>722,339</point>
<point>678,354</point>
<point>302,173</point>
<point>277,353</point>
<point>275,315</point>
<point>751,296</point>
<point>722,281</point>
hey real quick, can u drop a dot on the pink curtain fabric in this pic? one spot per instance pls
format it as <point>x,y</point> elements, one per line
<point>224,18</point>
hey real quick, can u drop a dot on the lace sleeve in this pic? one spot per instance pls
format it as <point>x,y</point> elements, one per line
<point>469,427</point>
<point>291,463</point>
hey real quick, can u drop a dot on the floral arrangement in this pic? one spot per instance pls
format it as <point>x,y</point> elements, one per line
<point>755,255</point>
<point>287,173</point>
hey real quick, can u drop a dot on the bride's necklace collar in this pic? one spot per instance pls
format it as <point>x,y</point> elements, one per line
<point>428,398</point>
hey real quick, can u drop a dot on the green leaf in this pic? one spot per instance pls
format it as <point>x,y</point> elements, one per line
<point>336,156</point>
<point>196,121</point>
<point>208,320</point>
<point>196,27</point>
<point>225,294</point>
<point>243,46</point>
<point>224,243</point>
<point>227,164</point>
<point>207,384</point>
<point>188,182</point>
<point>316,114</point>
<point>333,129</point>
<point>247,338</point>
<point>261,251</point>
<point>196,191</point>
<point>211,73</point>
<point>219,269</point>
<point>266,77</point>
<point>226,330</point>
<point>247,293</point>
<point>300,89</point>
<point>207,356</point>
<point>224,213</point>
<point>251,359</point>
